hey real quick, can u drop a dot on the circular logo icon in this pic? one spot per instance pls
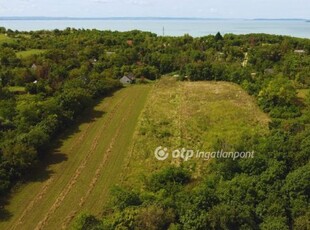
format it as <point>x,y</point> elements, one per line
<point>161,153</point>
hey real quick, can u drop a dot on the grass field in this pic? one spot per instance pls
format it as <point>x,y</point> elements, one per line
<point>4,38</point>
<point>80,172</point>
<point>204,116</point>
<point>27,53</point>
<point>17,89</point>
<point>115,144</point>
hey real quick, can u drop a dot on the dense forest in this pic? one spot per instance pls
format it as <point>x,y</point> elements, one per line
<point>47,78</point>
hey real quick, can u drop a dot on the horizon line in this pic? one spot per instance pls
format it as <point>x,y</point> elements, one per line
<point>140,18</point>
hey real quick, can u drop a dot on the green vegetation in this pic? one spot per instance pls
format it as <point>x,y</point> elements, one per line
<point>89,160</point>
<point>302,93</point>
<point>196,115</point>
<point>5,39</point>
<point>17,89</point>
<point>27,53</point>
<point>260,193</point>
<point>81,67</point>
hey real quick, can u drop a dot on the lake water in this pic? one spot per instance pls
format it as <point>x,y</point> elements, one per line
<point>176,27</point>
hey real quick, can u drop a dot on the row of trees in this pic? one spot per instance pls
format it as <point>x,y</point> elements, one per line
<point>28,125</point>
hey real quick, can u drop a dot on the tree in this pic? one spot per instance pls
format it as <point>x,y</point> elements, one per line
<point>279,92</point>
<point>149,72</point>
<point>275,223</point>
<point>20,156</point>
<point>123,198</point>
<point>154,218</point>
<point>7,109</point>
<point>8,58</point>
<point>168,178</point>
<point>87,222</point>
<point>218,37</point>
<point>199,71</point>
<point>297,188</point>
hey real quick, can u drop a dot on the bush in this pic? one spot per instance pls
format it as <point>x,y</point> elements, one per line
<point>168,178</point>
<point>123,198</point>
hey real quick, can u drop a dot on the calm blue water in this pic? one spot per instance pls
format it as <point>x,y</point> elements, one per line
<point>172,27</point>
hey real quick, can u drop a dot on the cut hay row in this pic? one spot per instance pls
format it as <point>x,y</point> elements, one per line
<point>74,185</point>
<point>79,170</point>
<point>92,184</point>
<point>76,142</point>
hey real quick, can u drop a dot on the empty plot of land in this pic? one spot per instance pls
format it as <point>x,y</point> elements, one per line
<point>205,116</point>
<point>84,167</point>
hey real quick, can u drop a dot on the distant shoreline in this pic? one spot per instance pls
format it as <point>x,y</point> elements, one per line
<point>145,18</point>
<point>195,27</point>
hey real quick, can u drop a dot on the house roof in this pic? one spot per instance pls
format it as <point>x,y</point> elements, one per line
<point>300,51</point>
<point>129,76</point>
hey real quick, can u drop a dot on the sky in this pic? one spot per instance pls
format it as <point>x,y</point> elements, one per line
<point>158,8</point>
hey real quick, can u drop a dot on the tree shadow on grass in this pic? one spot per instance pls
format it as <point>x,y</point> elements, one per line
<point>52,155</point>
<point>5,215</point>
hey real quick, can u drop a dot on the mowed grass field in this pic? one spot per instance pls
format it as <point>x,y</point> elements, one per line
<point>205,116</point>
<point>28,53</point>
<point>81,171</point>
